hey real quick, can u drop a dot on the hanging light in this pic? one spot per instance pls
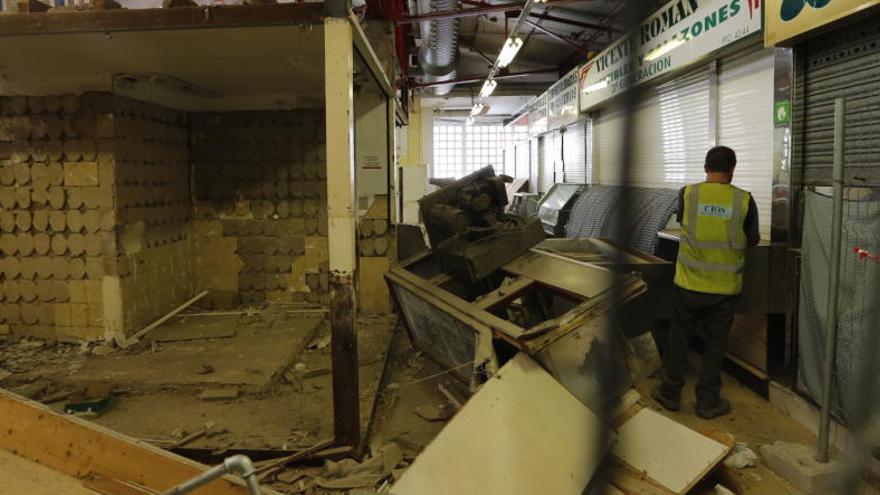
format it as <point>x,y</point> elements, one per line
<point>509,51</point>
<point>664,49</point>
<point>596,86</point>
<point>478,107</point>
<point>488,88</point>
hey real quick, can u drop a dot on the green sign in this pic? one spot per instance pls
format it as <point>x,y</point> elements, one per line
<point>782,112</point>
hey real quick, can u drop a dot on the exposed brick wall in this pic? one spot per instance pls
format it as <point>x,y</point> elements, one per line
<point>260,180</point>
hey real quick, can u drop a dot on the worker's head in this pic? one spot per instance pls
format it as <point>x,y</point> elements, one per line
<point>721,160</point>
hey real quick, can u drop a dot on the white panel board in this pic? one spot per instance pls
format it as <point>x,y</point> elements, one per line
<point>521,434</point>
<point>666,451</point>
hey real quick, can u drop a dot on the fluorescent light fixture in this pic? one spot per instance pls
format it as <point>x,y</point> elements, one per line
<point>664,49</point>
<point>469,121</point>
<point>592,88</point>
<point>488,88</point>
<point>511,47</point>
<point>478,107</point>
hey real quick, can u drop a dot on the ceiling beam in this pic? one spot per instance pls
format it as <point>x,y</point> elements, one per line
<point>571,22</point>
<point>568,41</point>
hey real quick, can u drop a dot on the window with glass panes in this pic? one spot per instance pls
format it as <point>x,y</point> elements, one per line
<point>461,149</point>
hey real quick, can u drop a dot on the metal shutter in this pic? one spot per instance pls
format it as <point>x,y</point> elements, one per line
<point>533,165</point>
<point>669,139</point>
<point>843,63</point>
<point>745,123</point>
<point>522,160</point>
<point>576,153</point>
<point>548,160</point>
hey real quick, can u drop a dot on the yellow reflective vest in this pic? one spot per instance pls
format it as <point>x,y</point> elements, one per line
<point>711,252</point>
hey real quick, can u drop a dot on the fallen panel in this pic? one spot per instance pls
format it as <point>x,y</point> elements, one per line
<point>198,327</point>
<point>521,433</point>
<point>252,359</point>
<point>668,452</point>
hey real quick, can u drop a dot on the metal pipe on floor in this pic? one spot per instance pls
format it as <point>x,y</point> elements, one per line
<point>238,464</point>
<point>833,281</point>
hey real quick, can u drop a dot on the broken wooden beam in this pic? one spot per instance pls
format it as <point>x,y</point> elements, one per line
<point>125,343</point>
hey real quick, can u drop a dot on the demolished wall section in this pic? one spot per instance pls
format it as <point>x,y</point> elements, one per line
<point>261,213</point>
<point>156,266</point>
<point>56,214</point>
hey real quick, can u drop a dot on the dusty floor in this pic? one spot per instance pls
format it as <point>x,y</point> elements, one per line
<point>286,405</point>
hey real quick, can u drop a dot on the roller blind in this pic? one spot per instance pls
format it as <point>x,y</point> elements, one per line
<point>745,123</point>
<point>533,165</point>
<point>576,153</point>
<point>549,159</point>
<point>669,139</point>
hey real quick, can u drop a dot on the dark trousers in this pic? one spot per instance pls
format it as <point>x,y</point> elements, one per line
<point>710,317</point>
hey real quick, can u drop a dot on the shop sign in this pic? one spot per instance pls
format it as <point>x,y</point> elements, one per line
<point>538,115</point>
<point>782,112</point>
<point>562,101</point>
<point>789,18</point>
<point>677,35</point>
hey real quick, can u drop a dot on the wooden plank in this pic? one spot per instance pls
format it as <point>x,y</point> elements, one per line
<point>85,21</point>
<point>668,452</point>
<point>124,343</point>
<point>522,433</point>
<point>21,476</point>
<point>504,293</point>
<point>75,447</point>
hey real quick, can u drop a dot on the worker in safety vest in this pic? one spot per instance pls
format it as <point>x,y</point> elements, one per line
<point>718,220</point>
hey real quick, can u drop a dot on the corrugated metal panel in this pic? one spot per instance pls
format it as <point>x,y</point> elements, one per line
<point>522,160</point>
<point>745,123</point>
<point>844,63</point>
<point>576,152</point>
<point>669,139</point>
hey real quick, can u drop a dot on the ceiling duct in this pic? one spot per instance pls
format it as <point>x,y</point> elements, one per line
<point>438,54</point>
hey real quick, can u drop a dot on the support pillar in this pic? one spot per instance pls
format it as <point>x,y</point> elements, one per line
<point>341,213</point>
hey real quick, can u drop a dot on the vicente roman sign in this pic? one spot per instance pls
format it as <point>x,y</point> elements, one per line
<point>677,35</point>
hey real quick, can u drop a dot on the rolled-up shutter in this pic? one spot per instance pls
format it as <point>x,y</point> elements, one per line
<point>576,153</point>
<point>669,139</point>
<point>534,162</point>
<point>745,124</point>
<point>546,162</point>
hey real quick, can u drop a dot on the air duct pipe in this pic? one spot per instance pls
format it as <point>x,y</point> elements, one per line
<point>438,55</point>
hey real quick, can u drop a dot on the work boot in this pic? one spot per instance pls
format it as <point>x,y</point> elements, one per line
<point>665,399</point>
<point>720,408</point>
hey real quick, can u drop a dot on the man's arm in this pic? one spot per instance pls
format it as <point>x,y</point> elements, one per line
<point>750,226</point>
<point>680,213</point>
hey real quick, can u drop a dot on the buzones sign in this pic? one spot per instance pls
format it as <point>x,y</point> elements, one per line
<point>677,35</point>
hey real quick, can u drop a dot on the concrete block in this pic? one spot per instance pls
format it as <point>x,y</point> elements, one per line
<point>797,463</point>
<point>81,174</point>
